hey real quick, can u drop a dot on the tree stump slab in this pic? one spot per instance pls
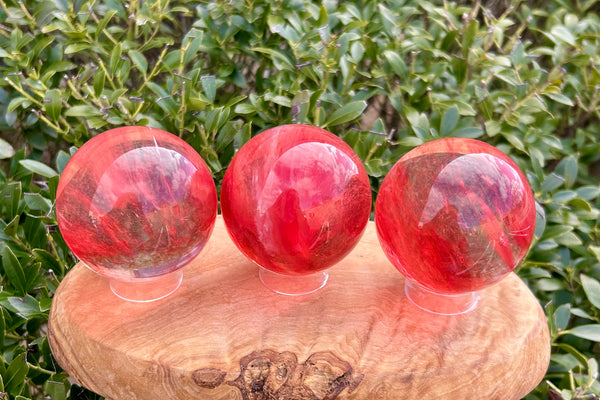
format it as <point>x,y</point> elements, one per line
<point>223,335</point>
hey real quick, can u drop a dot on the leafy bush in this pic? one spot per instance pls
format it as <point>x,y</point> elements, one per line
<point>385,76</point>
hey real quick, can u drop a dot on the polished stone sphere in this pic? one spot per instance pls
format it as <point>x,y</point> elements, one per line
<point>136,202</point>
<point>455,215</point>
<point>295,199</point>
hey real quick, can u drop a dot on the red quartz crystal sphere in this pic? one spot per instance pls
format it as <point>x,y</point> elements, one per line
<point>455,215</point>
<point>296,199</point>
<point>136,202</point>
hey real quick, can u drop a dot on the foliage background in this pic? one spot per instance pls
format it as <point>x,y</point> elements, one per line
<point>385,76</point>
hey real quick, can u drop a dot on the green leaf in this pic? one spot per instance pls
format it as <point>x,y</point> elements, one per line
<point>165,100</point>
<point>518,54</point>
<point>373,167</point>
<point>562,316</point>
<point>245,108</point>
<point>419,123</point>
<point>45,304</point>
<point>6,150</point>
<point>53,104</point>
<point>552,182</point>
<point>37,202</point>
<point>592,365</point>
<point>468,132</point>
<point>212,120</point>
<point>56,390</point>
<point>115,57</point>
<point>560,98</point>
<point>77,47</point>
<point>279,59</point>
<point>347,113</point>
<point>570,167</point>
<point>564,196</point>
<point>469,36</point>
<point>556,230</point>
<point>243,135</point>
<point>14,270</point>
<point>595,250</point>
<point>588,332</point>
<point>573,351</point>
<point>211,158</point>
<point>396,62</point>
<point>357,51</point>
<point>282,101</point>
<point>99,78</point>
<point>16,373</point>
<point>26,306</point>
<point>550,284</point>
<point>38,168</point>
<point>209,86</point>
<point>591,287</point>
<point>10,118</point>
<point>47,260</point>
<point>323,17</point>
<point>15,103</point>
<point>2,333</point>
<point>225,136</point>
<point>449,121</point>
<point>493,128</point>
<point>138,60</point>
<point>514,140</point>
<point>104,22</point>
<point>388,19</point>
<point>581,204</point>
<point>588,192</point>
<point>300,106</point>
<point>15,192</point>
<point>235,100</point>
<point>410,141</point>
<point>62,158</point>
<point>191,48</point>
<point>83,110</point>
<point>12,227</point>
<point>275,22</point>
<point>563,34</point>
<point>568,239</point>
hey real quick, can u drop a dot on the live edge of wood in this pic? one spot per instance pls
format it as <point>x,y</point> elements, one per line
<point>223,335</point>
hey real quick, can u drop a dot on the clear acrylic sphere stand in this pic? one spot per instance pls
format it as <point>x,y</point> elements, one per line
<point>293,285</point>
<point>437,303</point>
<point>144,290</point>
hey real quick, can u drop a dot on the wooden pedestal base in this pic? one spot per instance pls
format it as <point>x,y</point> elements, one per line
<point>223,335</point>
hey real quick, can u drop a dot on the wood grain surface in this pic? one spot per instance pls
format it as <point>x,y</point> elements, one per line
<point>223,335</point>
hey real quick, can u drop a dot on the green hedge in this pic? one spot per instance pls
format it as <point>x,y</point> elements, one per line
<point>385,76</point>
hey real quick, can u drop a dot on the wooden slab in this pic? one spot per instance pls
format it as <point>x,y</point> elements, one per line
<point>223,335</point>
